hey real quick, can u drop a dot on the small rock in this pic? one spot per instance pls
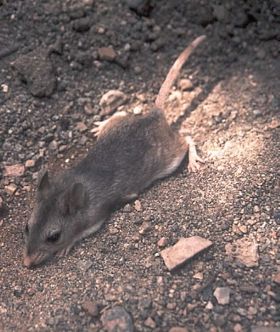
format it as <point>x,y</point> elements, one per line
<point>91,308</point>
<point>14,170</point>
<point>127,208</point>
<point>53,145</point>
<point>117,319</point>
<point>276,278</point>
<point>198,276</point>
<point>141,7</point>
<point>111,100</point>
<point>137,110</point>
<point>81,127</point>
<point>5,88</point>
<point>221,13</point>
<point>107,53</point>
<point>238,328</point>
<point>178,329</point>
<point>185,84</point>
<point>145,228</point>
<point>137,205</point>
<point>30,163</point>
<point>162,242</point>
<point>11,189</point>
<point>81,24</point>
<point>36,70</point>
<point>1,202</point>
<point>209,306</point>
<point>245,251</point>
<point>222,294</point>
<point>149,322</point>
<point>183,250</point>
<point>89,110</point>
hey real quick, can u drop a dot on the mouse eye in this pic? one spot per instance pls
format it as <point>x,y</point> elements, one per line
<point>54,237</point>
<point>26,229</point>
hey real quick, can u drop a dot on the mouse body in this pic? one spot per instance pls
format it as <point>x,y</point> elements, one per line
<point>131,152</point>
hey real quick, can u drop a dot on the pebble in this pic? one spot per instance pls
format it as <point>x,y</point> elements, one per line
<point>245,251</point>
<point>30,163</point>
<point>106,54</point>
<point>117,319</point>
<point>14,170</point>
<point>1,202</point>
<point>238,328</point>
<point>183,250</point>
<point>137,205</point>
<point>162,242</point>
<point>145,228</point>
<point>81,127</point>
<point>91,308</point>
<point>10,189</point>
<point>222,294</point>
<point>111,100</point>
<point>81,24</point>
<point>276,278</point>
<point>149,322</point>
<point>185,84</point>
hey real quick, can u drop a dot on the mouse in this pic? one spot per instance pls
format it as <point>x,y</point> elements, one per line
<point>130,153</point>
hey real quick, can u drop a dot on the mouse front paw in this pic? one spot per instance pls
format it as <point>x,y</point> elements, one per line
<point>64,252</point>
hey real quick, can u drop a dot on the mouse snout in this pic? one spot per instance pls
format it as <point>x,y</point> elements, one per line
<point>32,260</point>
<point>27,261</point>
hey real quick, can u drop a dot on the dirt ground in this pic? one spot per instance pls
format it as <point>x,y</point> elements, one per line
<point>52,77</point>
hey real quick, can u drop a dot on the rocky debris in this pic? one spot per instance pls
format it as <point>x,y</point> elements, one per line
<point>14,170</point>
<point>91,308</point>
<point>145,228</point>
<point>185,84</point>
<point>81,25</point>
<point>117,319</point>
<point>111,100</point>
<point>106,54</point>
<point>1,204</point>
<point>178,329</point>
<point>222,294</point>
<point>36,70</point>
<point>183,250</point>
<point>10,189</point>
<point>244,250</point>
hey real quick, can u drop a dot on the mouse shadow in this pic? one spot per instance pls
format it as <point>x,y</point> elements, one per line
<point>203,95</point>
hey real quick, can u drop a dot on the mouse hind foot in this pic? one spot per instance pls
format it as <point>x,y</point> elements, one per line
<point>194,159</point>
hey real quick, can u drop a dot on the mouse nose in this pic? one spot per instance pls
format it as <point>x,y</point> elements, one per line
<point>27,261</point>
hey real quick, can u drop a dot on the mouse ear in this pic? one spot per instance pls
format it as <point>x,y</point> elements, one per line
<point>43,183</point>
<point>74,199</point>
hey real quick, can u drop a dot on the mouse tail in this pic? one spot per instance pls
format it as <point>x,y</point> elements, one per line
<point>174,72</point>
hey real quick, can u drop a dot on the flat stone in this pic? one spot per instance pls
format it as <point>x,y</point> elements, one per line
<point>183,250</point>
<point>111,100</point>
<point>107,53</point>
<point>245,251</point>
<point>14,170</point>
<point>222,294</point>
<point>117,319</point>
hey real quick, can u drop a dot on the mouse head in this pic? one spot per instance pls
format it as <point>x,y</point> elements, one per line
<point>56,221</point>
